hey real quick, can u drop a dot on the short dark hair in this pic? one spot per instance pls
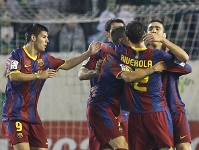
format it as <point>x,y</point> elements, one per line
<point>134,31</point>
<point>108,24</point>
<point>157,20</point>
<point>34,29</point>
<point>117,33</point>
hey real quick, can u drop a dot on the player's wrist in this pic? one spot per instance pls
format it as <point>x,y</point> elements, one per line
<point>38,75</point>
<point>89,52</point>
<point>153,69</point>
<point>150,70</point>
<point>96,72</point>
<point>163,40</point>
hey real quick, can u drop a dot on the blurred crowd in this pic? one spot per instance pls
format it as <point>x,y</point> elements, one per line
<point>73,36</point>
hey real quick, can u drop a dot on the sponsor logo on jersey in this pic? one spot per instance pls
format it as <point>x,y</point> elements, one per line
<point>26,66</point>
<point>182,137</point>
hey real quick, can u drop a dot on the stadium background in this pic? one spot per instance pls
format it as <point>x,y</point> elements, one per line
<point>62,102</point>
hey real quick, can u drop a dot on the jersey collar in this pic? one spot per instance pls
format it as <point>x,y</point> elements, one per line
<point>27,53</point>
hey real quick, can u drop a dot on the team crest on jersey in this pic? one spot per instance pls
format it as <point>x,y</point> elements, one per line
<point>20,135</point>
<point>85,61</point>
<point>40,62</point>
<point>125,68</point>
<point>179,63</point>
<point>14,64</point>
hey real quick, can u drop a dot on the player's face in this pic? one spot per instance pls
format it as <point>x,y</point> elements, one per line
<point>125,41</point>
<point>41,41</point>
<point>156,27</point>
<point>115,24</point>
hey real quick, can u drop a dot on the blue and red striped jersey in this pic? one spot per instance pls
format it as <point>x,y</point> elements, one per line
<point>22,97</point>
<point>109,87</point>
<point>110,97</point>
<point>170,84</point>
<point>91,62</point>
<point>146,95</point>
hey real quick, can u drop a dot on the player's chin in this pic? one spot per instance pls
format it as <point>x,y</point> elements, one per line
<point>43,49</point>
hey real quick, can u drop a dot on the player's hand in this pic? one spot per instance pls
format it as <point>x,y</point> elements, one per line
<point>159,66</point>
<point>94,47</point>
<point>93,89</point>
<point>152,37</point>
<point>98,65</point>
<point>49,73</point>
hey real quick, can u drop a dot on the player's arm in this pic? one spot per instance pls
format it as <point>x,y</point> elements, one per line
<point>86,74</point>
<point>17,76</point>
<point>178,67</point>
<point>92,49</point>
<point>179,53</point>
<point>141,73</point>
<point>174,65</point>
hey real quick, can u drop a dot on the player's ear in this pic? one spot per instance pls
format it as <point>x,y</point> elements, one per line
<point>164,35</point>
<point>121,40</point>
<point>128,39</point>
<point>33,37</point>
<point>107,34</point>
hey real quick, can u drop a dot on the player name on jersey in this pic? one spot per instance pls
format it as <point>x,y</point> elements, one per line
<point>136,63</point>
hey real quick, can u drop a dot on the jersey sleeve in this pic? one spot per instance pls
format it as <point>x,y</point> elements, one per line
<point>173,65</point>
<point>90,63</point>
<point>180,68</point>
<point>13,64</point>
<point>117,66</point>
<point>55,63</point>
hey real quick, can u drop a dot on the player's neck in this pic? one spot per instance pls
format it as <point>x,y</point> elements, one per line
<point>139,45</point>
<point>156,45</point>
<point>31,50</point>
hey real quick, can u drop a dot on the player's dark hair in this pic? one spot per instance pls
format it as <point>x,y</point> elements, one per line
<point>134,31</point>
<point>117,33</point>
<point>34,29</point>
<point>159,21</point>
<point>108,24</point>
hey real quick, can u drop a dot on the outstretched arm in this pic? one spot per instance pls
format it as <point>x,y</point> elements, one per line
<point>179,53</point>
<point>92,49</point>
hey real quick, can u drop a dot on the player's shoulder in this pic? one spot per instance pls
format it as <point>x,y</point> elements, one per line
<point>159,52</point>
<point>111,44</point>
<point>16,52</point>
<point>44,55</point>
<point>121,47</point>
